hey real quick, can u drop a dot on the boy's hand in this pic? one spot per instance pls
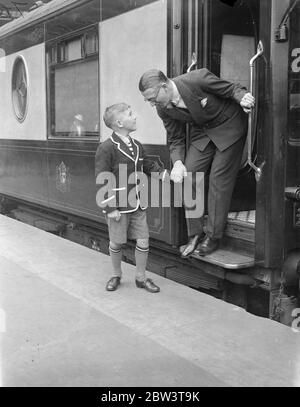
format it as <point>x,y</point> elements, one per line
<point>178,172</point>
<point>115,215</point>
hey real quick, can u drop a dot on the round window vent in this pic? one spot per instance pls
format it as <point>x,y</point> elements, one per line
<point>19,89</point>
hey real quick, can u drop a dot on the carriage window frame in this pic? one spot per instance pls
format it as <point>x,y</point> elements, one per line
<point>56,58</point>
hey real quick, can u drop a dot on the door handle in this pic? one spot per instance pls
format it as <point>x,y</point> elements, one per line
<point>194,62</point>
<point>258,170</point>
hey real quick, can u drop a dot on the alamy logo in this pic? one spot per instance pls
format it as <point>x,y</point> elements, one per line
<point>126,191</point>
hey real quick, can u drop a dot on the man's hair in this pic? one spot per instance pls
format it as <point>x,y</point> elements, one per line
<point>151,79</point>
<point>111,113</point>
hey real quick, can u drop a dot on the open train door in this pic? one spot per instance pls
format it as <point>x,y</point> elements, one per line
<point>224,37</point>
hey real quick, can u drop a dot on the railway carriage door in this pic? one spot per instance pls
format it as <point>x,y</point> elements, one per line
<point>224,38</point>
<point>230,39</point>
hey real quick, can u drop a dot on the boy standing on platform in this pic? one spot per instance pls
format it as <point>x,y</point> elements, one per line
<point>126,218</point>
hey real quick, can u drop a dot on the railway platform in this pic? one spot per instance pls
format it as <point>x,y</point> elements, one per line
<point>59,327</point>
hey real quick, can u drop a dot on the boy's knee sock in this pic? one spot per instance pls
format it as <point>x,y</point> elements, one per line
<point>141,256</point>
<point>116,258</point>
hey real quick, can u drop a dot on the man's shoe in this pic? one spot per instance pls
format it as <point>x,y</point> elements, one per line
<point>207,246</point>
<point>148,285</point>
<point>113,284</point>
<point>190,247</point>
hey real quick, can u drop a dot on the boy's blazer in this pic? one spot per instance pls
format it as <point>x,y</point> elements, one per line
<point>214,113</point>
<point>114,156</point>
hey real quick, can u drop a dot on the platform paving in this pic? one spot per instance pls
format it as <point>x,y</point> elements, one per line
<point>63,329</point>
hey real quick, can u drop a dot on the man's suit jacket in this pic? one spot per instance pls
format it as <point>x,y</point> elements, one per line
<point>214,113</point>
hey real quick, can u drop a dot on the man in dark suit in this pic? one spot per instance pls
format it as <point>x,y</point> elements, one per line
<point>215,110</point>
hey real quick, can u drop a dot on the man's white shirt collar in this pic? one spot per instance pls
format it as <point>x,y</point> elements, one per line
<point>177,99</point>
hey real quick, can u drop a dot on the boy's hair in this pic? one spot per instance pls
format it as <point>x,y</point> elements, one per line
<point>152,78</point>
<point>112,112</point>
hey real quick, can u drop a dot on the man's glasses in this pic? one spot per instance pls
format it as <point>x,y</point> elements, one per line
<point>153,100</point>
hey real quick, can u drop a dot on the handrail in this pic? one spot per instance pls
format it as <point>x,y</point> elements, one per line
<point>258,170</point>
<point>194,61</point>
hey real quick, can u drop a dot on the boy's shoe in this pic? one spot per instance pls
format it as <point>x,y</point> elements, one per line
<point>113,284</point>
<point>148,285</point>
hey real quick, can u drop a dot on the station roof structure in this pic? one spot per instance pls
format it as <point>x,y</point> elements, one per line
<point>12,9</point>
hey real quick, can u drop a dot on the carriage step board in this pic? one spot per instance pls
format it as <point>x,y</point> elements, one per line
<point>226,259</point>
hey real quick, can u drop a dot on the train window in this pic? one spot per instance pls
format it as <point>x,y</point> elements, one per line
<point>19,89</point>
<point>73,50</point>
<point>53,54</point>
<point>91,43</point>
<point>73,86</point>
<point>294,77</point>
<point>113,8</point>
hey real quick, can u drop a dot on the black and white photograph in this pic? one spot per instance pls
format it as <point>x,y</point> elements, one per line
<point>149,198</point>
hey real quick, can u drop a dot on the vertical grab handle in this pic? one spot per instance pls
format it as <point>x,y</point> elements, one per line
<point>194,61</point>
<point>258,170</point>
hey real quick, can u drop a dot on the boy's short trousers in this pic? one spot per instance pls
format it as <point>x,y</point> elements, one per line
<point>130,226</point>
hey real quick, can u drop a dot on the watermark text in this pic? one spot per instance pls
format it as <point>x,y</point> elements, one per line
<point>126,190</point>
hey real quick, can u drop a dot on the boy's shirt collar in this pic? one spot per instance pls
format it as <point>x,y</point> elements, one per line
<point>130,150</point>
<point>126,139</point>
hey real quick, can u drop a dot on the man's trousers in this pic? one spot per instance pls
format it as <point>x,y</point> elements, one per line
<point>223,166</point>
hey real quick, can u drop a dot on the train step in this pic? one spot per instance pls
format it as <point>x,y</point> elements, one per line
<point>237,249</point>
<point>227,259</point>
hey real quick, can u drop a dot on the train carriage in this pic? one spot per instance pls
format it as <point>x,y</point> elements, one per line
<point>65,61</point>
